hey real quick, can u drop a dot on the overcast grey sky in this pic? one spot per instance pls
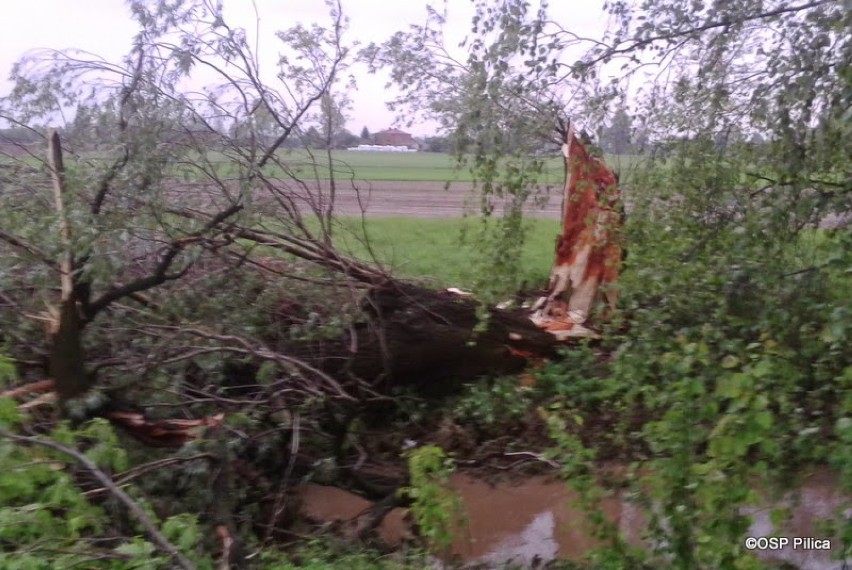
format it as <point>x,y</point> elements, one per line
<point>104,27</point>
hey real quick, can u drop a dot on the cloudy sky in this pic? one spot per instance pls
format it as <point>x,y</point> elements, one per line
<point>105,28</point>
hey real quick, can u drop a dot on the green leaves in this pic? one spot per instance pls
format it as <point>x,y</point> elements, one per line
<point>10,416</point>
<point>733,364</point>
<point>182,531</point>
<point>435,508</point>
<point>492,406</point>
<point>141,554</point>
<point>48,521</point>
<point>7,370</point>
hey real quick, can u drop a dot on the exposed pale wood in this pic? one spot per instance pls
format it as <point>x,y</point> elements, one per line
<point>43,400</point>
<point>66,351</point>
<point>588,251</point>
<point>57,169</point>
<point>31,388</point>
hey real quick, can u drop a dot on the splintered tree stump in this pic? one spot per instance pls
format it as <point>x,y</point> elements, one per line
<point>65,331</point>
<point>589,249</point>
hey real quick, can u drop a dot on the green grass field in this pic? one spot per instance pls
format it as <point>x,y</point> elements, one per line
<point>410,166</point>
<point>378,166</point>
<point>433,249</point>
<point>393,166</point>
<point>399,166</point>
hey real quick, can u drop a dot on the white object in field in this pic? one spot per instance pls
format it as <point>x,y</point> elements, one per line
<point>458,292</point>
<point>381,148</point>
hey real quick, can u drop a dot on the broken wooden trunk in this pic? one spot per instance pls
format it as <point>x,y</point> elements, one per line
<point>589,249</point>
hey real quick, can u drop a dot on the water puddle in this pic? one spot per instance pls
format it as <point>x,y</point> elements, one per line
<point>333,506</point>
<point>523,522</point>
<point>534,521</point>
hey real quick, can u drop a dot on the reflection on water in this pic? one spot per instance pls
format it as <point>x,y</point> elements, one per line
<point>522,522</point>
<point>533,520</point>
<point>817,500</point>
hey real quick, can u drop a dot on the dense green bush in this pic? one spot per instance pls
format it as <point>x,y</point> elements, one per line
<point>733,356</point>
<point>49,519</point>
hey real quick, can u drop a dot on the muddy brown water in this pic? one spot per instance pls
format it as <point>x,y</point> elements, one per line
<point>534,520</point>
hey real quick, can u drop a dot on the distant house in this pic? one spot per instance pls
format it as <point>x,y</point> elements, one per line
<point>395,137</point>
<point>191,136</point>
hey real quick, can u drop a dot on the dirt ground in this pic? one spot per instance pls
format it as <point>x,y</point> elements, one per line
<point>413,199</point>
<point>404,199</point>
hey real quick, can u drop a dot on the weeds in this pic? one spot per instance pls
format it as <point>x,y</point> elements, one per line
<point>435,508</point>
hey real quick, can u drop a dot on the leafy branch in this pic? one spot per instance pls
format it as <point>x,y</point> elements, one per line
<point>153,532</point>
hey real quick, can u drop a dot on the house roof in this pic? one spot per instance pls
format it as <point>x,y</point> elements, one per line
<point>392,132</point>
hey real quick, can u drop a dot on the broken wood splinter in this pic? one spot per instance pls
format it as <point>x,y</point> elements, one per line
<point>588,251</point>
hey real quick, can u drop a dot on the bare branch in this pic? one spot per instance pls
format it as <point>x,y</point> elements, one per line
<point>246,346</point>
<point>136,472</point>
<point>160,274</point>
<point>307,249</point>
<point>28,247</point>
<point>66,264</point>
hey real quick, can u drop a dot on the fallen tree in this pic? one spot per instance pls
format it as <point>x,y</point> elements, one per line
<point>408,335</point>
<point>187,192</point>
<point>132,236</point>
<point>404,335</point>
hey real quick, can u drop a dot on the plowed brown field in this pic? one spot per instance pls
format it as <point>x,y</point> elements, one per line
<point>411,199</point>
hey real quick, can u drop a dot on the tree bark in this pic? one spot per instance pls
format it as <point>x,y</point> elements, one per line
<point>66,346</point>
<point>429,341</point>
<point>410,336</point>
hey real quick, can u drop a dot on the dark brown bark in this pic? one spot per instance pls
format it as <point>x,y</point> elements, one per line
<point>430,341</point>
<point>66,353</point>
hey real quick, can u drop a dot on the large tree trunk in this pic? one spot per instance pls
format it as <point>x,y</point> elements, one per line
<point>66,353</point>
<point>430,341</point>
